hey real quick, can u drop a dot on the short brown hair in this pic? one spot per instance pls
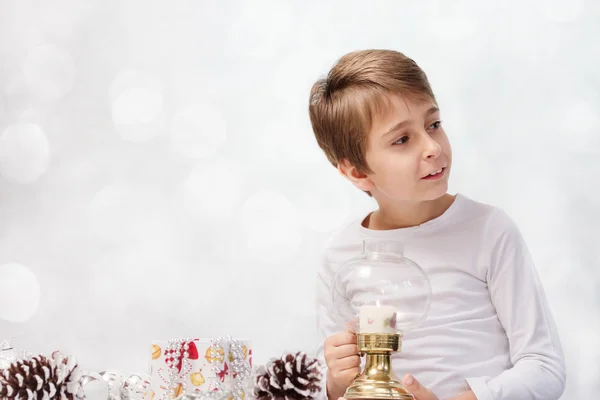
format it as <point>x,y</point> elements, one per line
<point>343,104</point>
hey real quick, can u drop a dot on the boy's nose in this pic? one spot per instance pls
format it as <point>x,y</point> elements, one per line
<point>432,149</point>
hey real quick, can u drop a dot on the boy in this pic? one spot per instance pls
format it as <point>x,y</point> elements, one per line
<point>489,333</point>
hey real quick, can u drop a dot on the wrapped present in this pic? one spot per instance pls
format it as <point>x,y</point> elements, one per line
<point>198,366</point>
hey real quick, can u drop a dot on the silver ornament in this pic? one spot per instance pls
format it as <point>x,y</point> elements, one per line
<point>114,379</point>
<point>94,387</point>
<point>134,387</point>
<point>8,354</point>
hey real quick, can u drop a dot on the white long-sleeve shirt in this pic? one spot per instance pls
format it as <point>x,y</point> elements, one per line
<point>489,328</point>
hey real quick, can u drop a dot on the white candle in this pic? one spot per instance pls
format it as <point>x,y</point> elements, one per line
<point>377,319</point>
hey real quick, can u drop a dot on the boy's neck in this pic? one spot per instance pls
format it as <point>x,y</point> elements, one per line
<point>408,214</point>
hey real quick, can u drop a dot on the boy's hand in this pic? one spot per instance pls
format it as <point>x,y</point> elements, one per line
<point>419,391</point>
<point>343,362</point>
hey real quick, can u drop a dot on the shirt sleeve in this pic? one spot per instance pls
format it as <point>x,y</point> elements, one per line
<point>326,324</point>
<point>538,371</point>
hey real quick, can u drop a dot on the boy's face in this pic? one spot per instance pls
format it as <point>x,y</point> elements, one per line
<point>405,145</point>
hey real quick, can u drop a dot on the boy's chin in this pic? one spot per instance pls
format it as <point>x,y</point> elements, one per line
<point>430,195</point>
<point>433,195</point>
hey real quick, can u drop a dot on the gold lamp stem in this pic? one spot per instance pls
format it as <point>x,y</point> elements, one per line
<point>378,380</point>
<point>378,366</point>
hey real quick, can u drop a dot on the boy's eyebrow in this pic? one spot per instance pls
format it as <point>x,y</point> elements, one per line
<point>401,124</point>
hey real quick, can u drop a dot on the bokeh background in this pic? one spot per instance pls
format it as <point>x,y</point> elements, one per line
<point>159,177</point>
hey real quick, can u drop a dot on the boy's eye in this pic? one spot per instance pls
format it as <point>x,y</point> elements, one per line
<point>436,125</point>
<point>402,140</point>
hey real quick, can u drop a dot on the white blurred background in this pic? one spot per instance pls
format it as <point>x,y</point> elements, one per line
<point>159,177</point>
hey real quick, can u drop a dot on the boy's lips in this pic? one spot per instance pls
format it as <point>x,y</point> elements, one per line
<point>435,174</point>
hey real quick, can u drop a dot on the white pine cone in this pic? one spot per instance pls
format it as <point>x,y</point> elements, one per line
<point>293,376</point>
<point>42,378</point>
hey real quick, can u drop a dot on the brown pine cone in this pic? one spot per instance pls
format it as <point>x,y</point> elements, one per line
<point>293,376</point>
<point>41,378</point>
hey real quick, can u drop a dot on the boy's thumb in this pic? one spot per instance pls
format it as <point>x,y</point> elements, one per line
<point>418,390</point>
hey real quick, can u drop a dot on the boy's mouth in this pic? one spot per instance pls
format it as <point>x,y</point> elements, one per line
<point>436,174</point>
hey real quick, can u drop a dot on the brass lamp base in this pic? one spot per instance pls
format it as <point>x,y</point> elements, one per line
<point>378,380</point>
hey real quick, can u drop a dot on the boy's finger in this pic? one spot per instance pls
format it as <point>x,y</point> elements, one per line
<point>418,390</point>
<point>345,350</point>
<point>348,363</point>
<point>343,339</point>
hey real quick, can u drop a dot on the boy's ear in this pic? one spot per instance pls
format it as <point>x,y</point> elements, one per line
<point>359,179</point>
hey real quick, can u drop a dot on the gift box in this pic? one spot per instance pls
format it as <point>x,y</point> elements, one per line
<point>200,365</point>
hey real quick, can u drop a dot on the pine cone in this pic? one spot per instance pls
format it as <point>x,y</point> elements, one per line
<point>293,376</point>
<point>41,378</point>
